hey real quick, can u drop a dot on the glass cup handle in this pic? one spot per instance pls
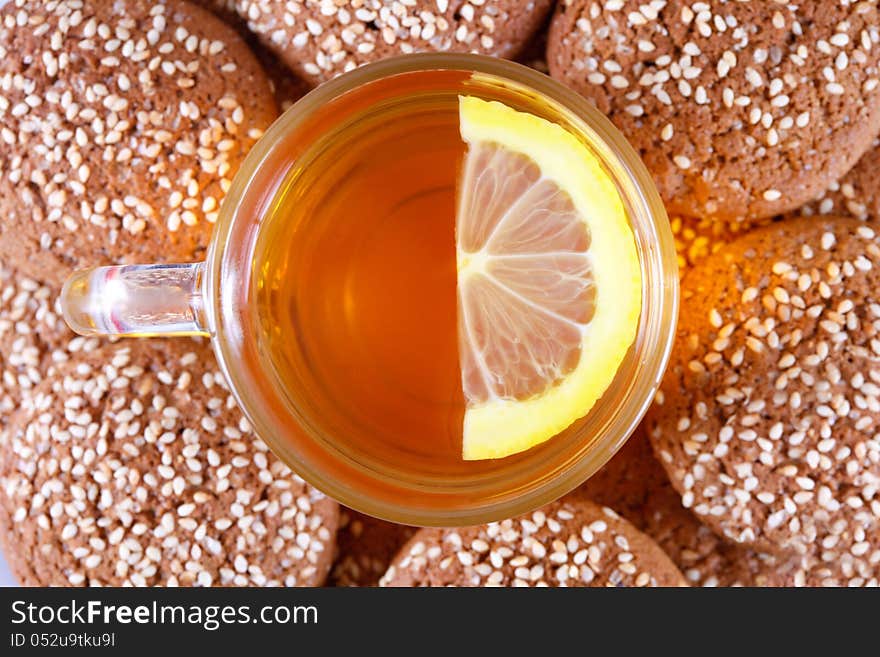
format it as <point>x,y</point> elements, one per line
<point>136,300</point>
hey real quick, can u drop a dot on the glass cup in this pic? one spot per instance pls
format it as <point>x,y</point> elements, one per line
<point>212,299</point>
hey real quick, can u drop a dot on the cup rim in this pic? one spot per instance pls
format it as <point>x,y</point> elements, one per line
<point>226,334</point>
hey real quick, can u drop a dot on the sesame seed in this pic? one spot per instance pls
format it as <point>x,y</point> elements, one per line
<point>682,162</point>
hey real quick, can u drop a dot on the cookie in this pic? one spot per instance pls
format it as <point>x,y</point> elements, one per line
<point>571,542</point>
<point>365,548</point>
<point>767,418</point>
<point>635,485</point>
<point>854,195</point>
<point>33,338</point>
<point>318,41</point>
<point>122,126</point>
<point>133,465</point>
<point>739,109</point>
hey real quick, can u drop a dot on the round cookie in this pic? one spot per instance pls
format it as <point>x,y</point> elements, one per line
<point>706,560</point>
<point>739,109</point>
<point>635,485</point>
<point>318,41</point>
<point>365,547</point>
<point>767,419</point>
<point>854,195</point>
<point>133,465</point>
<point>122,126</point>
<point>571,542</point>
<point>33,338</point>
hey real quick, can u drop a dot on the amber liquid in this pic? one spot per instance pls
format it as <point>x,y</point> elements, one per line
<point>364,295</point>
<point>356,288</point>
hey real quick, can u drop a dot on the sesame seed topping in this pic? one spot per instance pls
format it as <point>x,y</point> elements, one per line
<point>322,40</point>
<point>570,542</point>
<point>720,70</point>
<point>786,456</point>
<point>169,495</point>
<point>128,117</point>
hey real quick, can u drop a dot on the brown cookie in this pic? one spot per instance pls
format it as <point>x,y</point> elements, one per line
<point>767,418</point>
<point>856,194</point>
<point>365,548</point>
<point>123,124</point>
<point>571,542</point>
<point>133,465</point>
<point>33,338</point>
<point>706,560</point>
<point>319,41</point>
<point>739,109</point>
<point>635,485</point>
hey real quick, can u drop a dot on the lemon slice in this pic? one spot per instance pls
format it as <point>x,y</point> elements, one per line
<point>549,282</point>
